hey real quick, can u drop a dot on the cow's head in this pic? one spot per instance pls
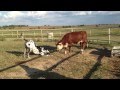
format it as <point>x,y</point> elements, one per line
<point>59,46</point>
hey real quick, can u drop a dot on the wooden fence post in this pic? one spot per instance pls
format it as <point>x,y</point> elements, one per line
<point>2,34</point>
<point>60,33</point>
<point>109,35</point>
<point>23,34</point>
<point>41,35</point>
<point>90,32</point>
<point>72,30</point>
<point>12,34</point>
<point>34,34</point>
<point>17,33</point>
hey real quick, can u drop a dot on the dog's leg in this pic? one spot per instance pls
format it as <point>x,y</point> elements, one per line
<point>28,54</point>
<point>25,51</point>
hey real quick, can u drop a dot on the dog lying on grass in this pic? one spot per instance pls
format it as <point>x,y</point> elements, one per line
<point>30,46</point>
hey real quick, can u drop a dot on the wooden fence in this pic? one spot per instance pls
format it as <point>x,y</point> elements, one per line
<point>106,35</point>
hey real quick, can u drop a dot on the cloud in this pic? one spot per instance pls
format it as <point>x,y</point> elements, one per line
<point>0,14</point>
<point>58,17</point>
<point>13,15</point>
<point>37,14</point>
<point>108,12</point>
<point>82,12</point>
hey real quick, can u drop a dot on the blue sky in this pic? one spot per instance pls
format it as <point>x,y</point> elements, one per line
<point>36,18</point>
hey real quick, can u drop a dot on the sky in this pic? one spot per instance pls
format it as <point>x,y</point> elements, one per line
<point>39,18</point>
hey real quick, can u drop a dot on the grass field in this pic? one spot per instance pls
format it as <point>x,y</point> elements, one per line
<point>57,65</point>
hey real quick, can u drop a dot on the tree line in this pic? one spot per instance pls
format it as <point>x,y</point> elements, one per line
<point>12,26</point>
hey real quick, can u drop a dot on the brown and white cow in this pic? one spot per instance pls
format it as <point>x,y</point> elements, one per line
<point>73,38</point>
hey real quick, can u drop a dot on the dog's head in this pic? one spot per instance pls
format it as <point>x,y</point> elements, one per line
<point>30,44</point>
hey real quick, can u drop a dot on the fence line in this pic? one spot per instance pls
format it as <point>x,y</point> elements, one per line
<point>58,33</point>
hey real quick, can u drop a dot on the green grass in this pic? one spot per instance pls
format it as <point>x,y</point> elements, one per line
<point>12,52</point>
<point>8,55</point>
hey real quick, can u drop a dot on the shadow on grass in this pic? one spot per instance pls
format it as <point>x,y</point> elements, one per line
<point>19,63</point>
<point>92,70</point>
<point>34,73</point>
<point>61,61</point>
<point>47,74</point>
<point>18,53</point>
<point>42,74</point>
<point>102,53</point>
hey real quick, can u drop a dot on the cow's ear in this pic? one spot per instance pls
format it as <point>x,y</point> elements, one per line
<point>60,43</point>
<point>56,42</point>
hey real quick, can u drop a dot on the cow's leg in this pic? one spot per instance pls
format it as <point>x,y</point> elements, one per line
<point>69,48</point>
<point>65,50</point>
<point>83,46</point>
<point>87,44</point>
<point>82,51</point>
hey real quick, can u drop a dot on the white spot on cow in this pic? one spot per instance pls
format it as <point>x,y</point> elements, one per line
<point>87,44</point>
<point>79,42</point>
<point>66,45</point>
<point>59,46</point>
<point>60,43</point>
<point>81,51</point>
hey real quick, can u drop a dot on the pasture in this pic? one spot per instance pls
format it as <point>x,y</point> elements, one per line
<point>95,63</point>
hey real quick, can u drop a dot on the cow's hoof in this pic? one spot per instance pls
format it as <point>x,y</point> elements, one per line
<point>65,52</point>
<point>81,52</point>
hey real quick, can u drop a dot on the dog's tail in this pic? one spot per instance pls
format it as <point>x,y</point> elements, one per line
<point>25,39</point>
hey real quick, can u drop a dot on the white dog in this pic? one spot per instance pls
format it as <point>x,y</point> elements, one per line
<point>43,51</point>
<point>30,46</point>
